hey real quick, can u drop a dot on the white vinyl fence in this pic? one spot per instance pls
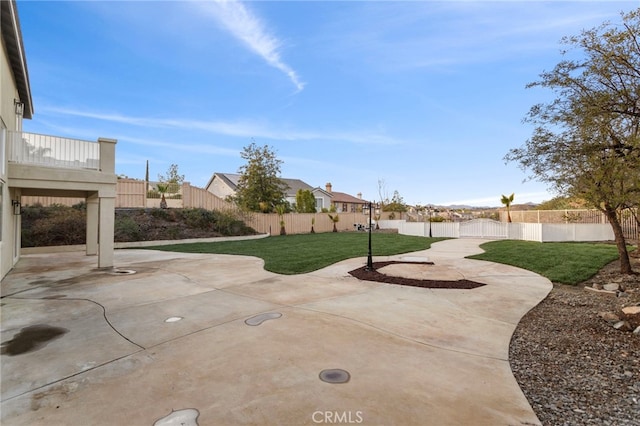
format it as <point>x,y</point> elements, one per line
<point>493,230</point>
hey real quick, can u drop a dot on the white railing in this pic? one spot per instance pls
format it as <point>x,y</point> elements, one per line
<point>53,151</point>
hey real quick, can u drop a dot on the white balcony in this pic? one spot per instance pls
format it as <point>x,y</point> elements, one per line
<point>52,151</point>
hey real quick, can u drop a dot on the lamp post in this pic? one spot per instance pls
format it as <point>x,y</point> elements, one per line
<point>429,210</point>
<point>369,254</point>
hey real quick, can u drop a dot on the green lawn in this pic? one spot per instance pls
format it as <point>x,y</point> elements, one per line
<point>566,263</point>
<point>298,254</point>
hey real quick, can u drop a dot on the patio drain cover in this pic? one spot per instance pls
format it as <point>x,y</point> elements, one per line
<point>122,272</point>
<point>186,417</point>
<point>259,319</point>
<point>335,375</point>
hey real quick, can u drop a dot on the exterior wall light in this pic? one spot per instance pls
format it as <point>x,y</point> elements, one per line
<point>19,106</point>
<point>16,207</point>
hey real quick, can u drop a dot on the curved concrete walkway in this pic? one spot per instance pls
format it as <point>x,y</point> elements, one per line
<point>172,336</point>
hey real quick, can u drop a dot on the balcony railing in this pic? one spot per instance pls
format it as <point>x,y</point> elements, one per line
<point>53,151</point>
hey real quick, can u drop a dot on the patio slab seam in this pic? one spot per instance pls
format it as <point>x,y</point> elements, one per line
<point>400,336</point>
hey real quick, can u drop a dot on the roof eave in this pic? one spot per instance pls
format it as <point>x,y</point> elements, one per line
<point>12,36</point>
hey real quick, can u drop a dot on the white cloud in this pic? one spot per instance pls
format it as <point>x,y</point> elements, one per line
<point>247,129</point>
<point>244,25</point>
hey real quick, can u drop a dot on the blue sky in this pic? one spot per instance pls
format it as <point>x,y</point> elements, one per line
<point>425,96</point>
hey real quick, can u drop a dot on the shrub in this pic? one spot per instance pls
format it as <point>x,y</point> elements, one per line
<point>199,218</point>
<point>127,229</point>
<point>62,225</point>
<point>53,226</point>
<point>164,214</point>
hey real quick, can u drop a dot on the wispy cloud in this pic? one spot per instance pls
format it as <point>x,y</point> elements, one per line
<point>244,25</point>
<point>248,129</point>
<point>443,35</point>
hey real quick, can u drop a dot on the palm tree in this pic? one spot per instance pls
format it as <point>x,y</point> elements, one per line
<point>507,203</point>
<point>280,209</point>
<point>335,219</point>
<point>162,189</point>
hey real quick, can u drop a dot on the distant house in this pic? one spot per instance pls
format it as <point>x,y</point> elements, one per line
<point>224,185</point>
<point>345,203</point>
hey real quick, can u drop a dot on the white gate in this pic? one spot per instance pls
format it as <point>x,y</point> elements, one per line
<point>484,228</point>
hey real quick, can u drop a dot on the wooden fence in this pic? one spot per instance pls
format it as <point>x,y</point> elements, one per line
<point>135,194</point>
<point>132,193</point>
<point>300,223</point>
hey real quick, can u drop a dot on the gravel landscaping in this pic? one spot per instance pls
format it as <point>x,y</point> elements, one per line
<point>573,366</point>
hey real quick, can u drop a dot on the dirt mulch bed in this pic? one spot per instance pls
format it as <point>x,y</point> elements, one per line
<point>367,275</point>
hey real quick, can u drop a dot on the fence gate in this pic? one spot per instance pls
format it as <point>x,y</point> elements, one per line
<point>484,228</point>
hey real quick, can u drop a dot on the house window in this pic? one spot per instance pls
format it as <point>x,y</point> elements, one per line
<point>319,204</point>
<point>344,207</point>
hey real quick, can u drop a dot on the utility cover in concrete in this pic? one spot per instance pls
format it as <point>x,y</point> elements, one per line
<point>186,417</point>
<point>335,375</point>
<point>259,319</point>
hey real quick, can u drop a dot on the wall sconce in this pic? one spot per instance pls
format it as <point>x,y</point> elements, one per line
<point>19,106</point>
<point>16,207</point>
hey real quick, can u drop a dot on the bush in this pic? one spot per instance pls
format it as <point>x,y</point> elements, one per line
<point>62,225</point>
<point>53,226</point>
<point>127,229</point>
<point>164,214</point>
<point>199,218</point>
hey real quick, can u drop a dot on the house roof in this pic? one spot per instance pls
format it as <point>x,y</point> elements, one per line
<point>341,197</point>
<point>12,37</point>
<point>232,179</point>
<point>296,184</point>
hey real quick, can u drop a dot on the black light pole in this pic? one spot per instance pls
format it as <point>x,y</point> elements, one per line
<point>430,236</point>
<point>369,255</point>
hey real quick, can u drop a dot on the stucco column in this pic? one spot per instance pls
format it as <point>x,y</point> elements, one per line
<point>106,226</point>
<point>107,155</point>
<point>186,195</point>
<point>92,224</point>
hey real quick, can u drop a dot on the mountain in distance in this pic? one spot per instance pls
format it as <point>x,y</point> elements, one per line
<point>524,206</point>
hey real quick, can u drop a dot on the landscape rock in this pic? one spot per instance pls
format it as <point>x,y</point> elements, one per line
<point>609,317</point>
<point>622,326</point>
<point>601,292</point>
<point>631,310</point>
<point>568,359</point>
<point>611,287</point>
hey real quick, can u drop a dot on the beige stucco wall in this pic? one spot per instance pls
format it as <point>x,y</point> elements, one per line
<point>8,92</point>
<point>220,188</point>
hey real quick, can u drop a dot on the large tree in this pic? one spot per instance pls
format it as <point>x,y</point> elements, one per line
<point>259,187</point>
<point>586,142</point>
<point>396,204</point>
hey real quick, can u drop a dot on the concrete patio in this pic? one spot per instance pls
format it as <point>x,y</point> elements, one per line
<point>166,332</point>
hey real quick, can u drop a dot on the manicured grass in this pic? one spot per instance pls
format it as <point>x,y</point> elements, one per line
<point>297,254</point>
<point>565,263</point>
